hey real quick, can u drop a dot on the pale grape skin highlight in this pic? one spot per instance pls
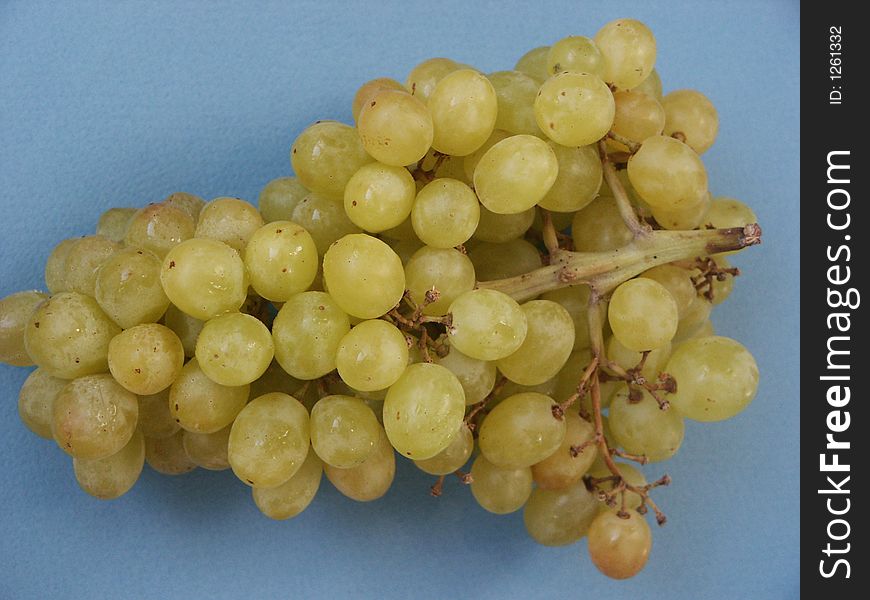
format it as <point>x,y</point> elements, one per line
<point>523,262</point>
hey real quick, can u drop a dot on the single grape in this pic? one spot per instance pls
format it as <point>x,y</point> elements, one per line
<point>574,299</point>
<point>229,220</point>
<point>363,275</point>
<point>372,356</point>
<point>369,90</point>
<point>93,417</point>
<point>599,227</point>
<point>155,419</point>
<point>575,53</point>
<point>716,377</point>
<point>629,51</point>
<point>447,270</point>
<point>146,359</point>
<point>469,162</point>
<point>83,261</point>
<point>344,431</point>
<point>487,325</point>
<point>727,212</point>
<point>269,440</point>
<point>618,546</point>
<point>498,229</point>
<point>158,228</point>
<point>638,116</point>
<point>68,336</point>
<point>279,197</point>
<point>693,318</point>
<point>112,476</point>
<point>113,223</point>
<point>128,287</point>
<point>534,63</point>
<point>500,490</point>
<point>574,109</point>
<point>521,431</point>
<point>578,181</point>
<point>281,259</point>
<point>370,479</point>
<point>453,457</point>
<point>15,312</point>
<point>667,173</point>
<point>677,281</point>
<point>234,349</point>
<point>642,314</point>
<point>651,86</point>
<point>424,77</point>
<point>500,261</point>
<point>307,332</point>
<point>190,204</point>
<point>548,342</point>
<point>560,517</point>
<point>476,376</point>
<point>515,174</point>
<point>55,266</point>
<point>167,455</point>
<point>379,197</point>
<point>463,106</point>
<point>324,219</point>
<point>294,495</point>
<point>208,450</point>
<point>516,93</point>
<point>423,410</point>
<point>325,156</point>
<point>687,217</point>
<point>641,427</point>
<point>199,404</point>
<point>445,213</point>
<point>395,128</point>
<point>563,468</point>
<point>691,113</point>
<point>35,401</point>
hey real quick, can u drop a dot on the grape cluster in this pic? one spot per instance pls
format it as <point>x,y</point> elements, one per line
<point>514,269</point>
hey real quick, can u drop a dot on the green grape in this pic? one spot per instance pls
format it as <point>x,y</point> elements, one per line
<point>515,174</point>
<point>534,63</point>
<point>128,287</point>
<point>498,229</point>
<point>204,278</point>
<point>363,275</point>
<point>36,399</point>
<point>651,86</point>
<point>369,90</point>
<point>727,212</point>
<point>112,476</point>
<point>500,261</point>
<point>185,327</point>
<point>629,359</point>
<point>84,259</point>
<point>199,404</point>
<point>307,332</point>
<point>445,213</point>
<point>500,490</point>
<point>324,219</point>
<point>146,359</point>
<point>113,223</point>
<point>477,377</point>
<point>667,174</point>
<point>234,349</point>
<point>158,228</point>
<point>229,220</point>
<point>641,427</point>
<point>281,259</point>
<point>424,77</point>
<point>618,546</point>
<point>68,336</point>
<point>15,312</point>
<point>190,204</point>
<point>469,162</point>
<point>691,113</point>
<point>167,455</point>
<point>638,116</point>
<point>453,457</point>
<point>642,314</point>
<point>521,431</point>
<point>395,128</point>
<point>562,469</point>
<point>370,479</point>
<point>688,217</point>
<point>445,269</point>
<point>294,495</point>
<point>275,379</point>
<point>515,92</point>
<point>423,410</point>
<point>269,440</point>
<point>372,356</point>
<point>93,417</point>
<point>208,450</point>
<point>512,389</point>
<point>405,249</point>
<point>575,53</point>
<point>716,377</point>
<point>574,299</point>
<point>599,227</point>
<point>155,419</point>
<point>548,342</point>
<point>629,51</point>
<point>574,109</point>
<point>560,517</point>
<point>487,325</point>
<point>344,431</point>
<point>326,155</point>
<point>693,318</point>
<point>630,474</point>
<point>677,281</point>
<point>55,266</point>
<point>379,197</point>
<point>578,181</point>
<point>279,197</point>
<point>463,106</point>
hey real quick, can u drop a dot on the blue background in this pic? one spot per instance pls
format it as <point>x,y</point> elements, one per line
<point>118,104</point>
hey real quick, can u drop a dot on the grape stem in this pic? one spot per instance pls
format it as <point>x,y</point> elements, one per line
<point>626,210</point>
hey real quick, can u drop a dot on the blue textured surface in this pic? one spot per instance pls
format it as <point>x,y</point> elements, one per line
<point>115,104</point>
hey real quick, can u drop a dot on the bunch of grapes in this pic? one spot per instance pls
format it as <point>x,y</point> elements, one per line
<point>514,270</point>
